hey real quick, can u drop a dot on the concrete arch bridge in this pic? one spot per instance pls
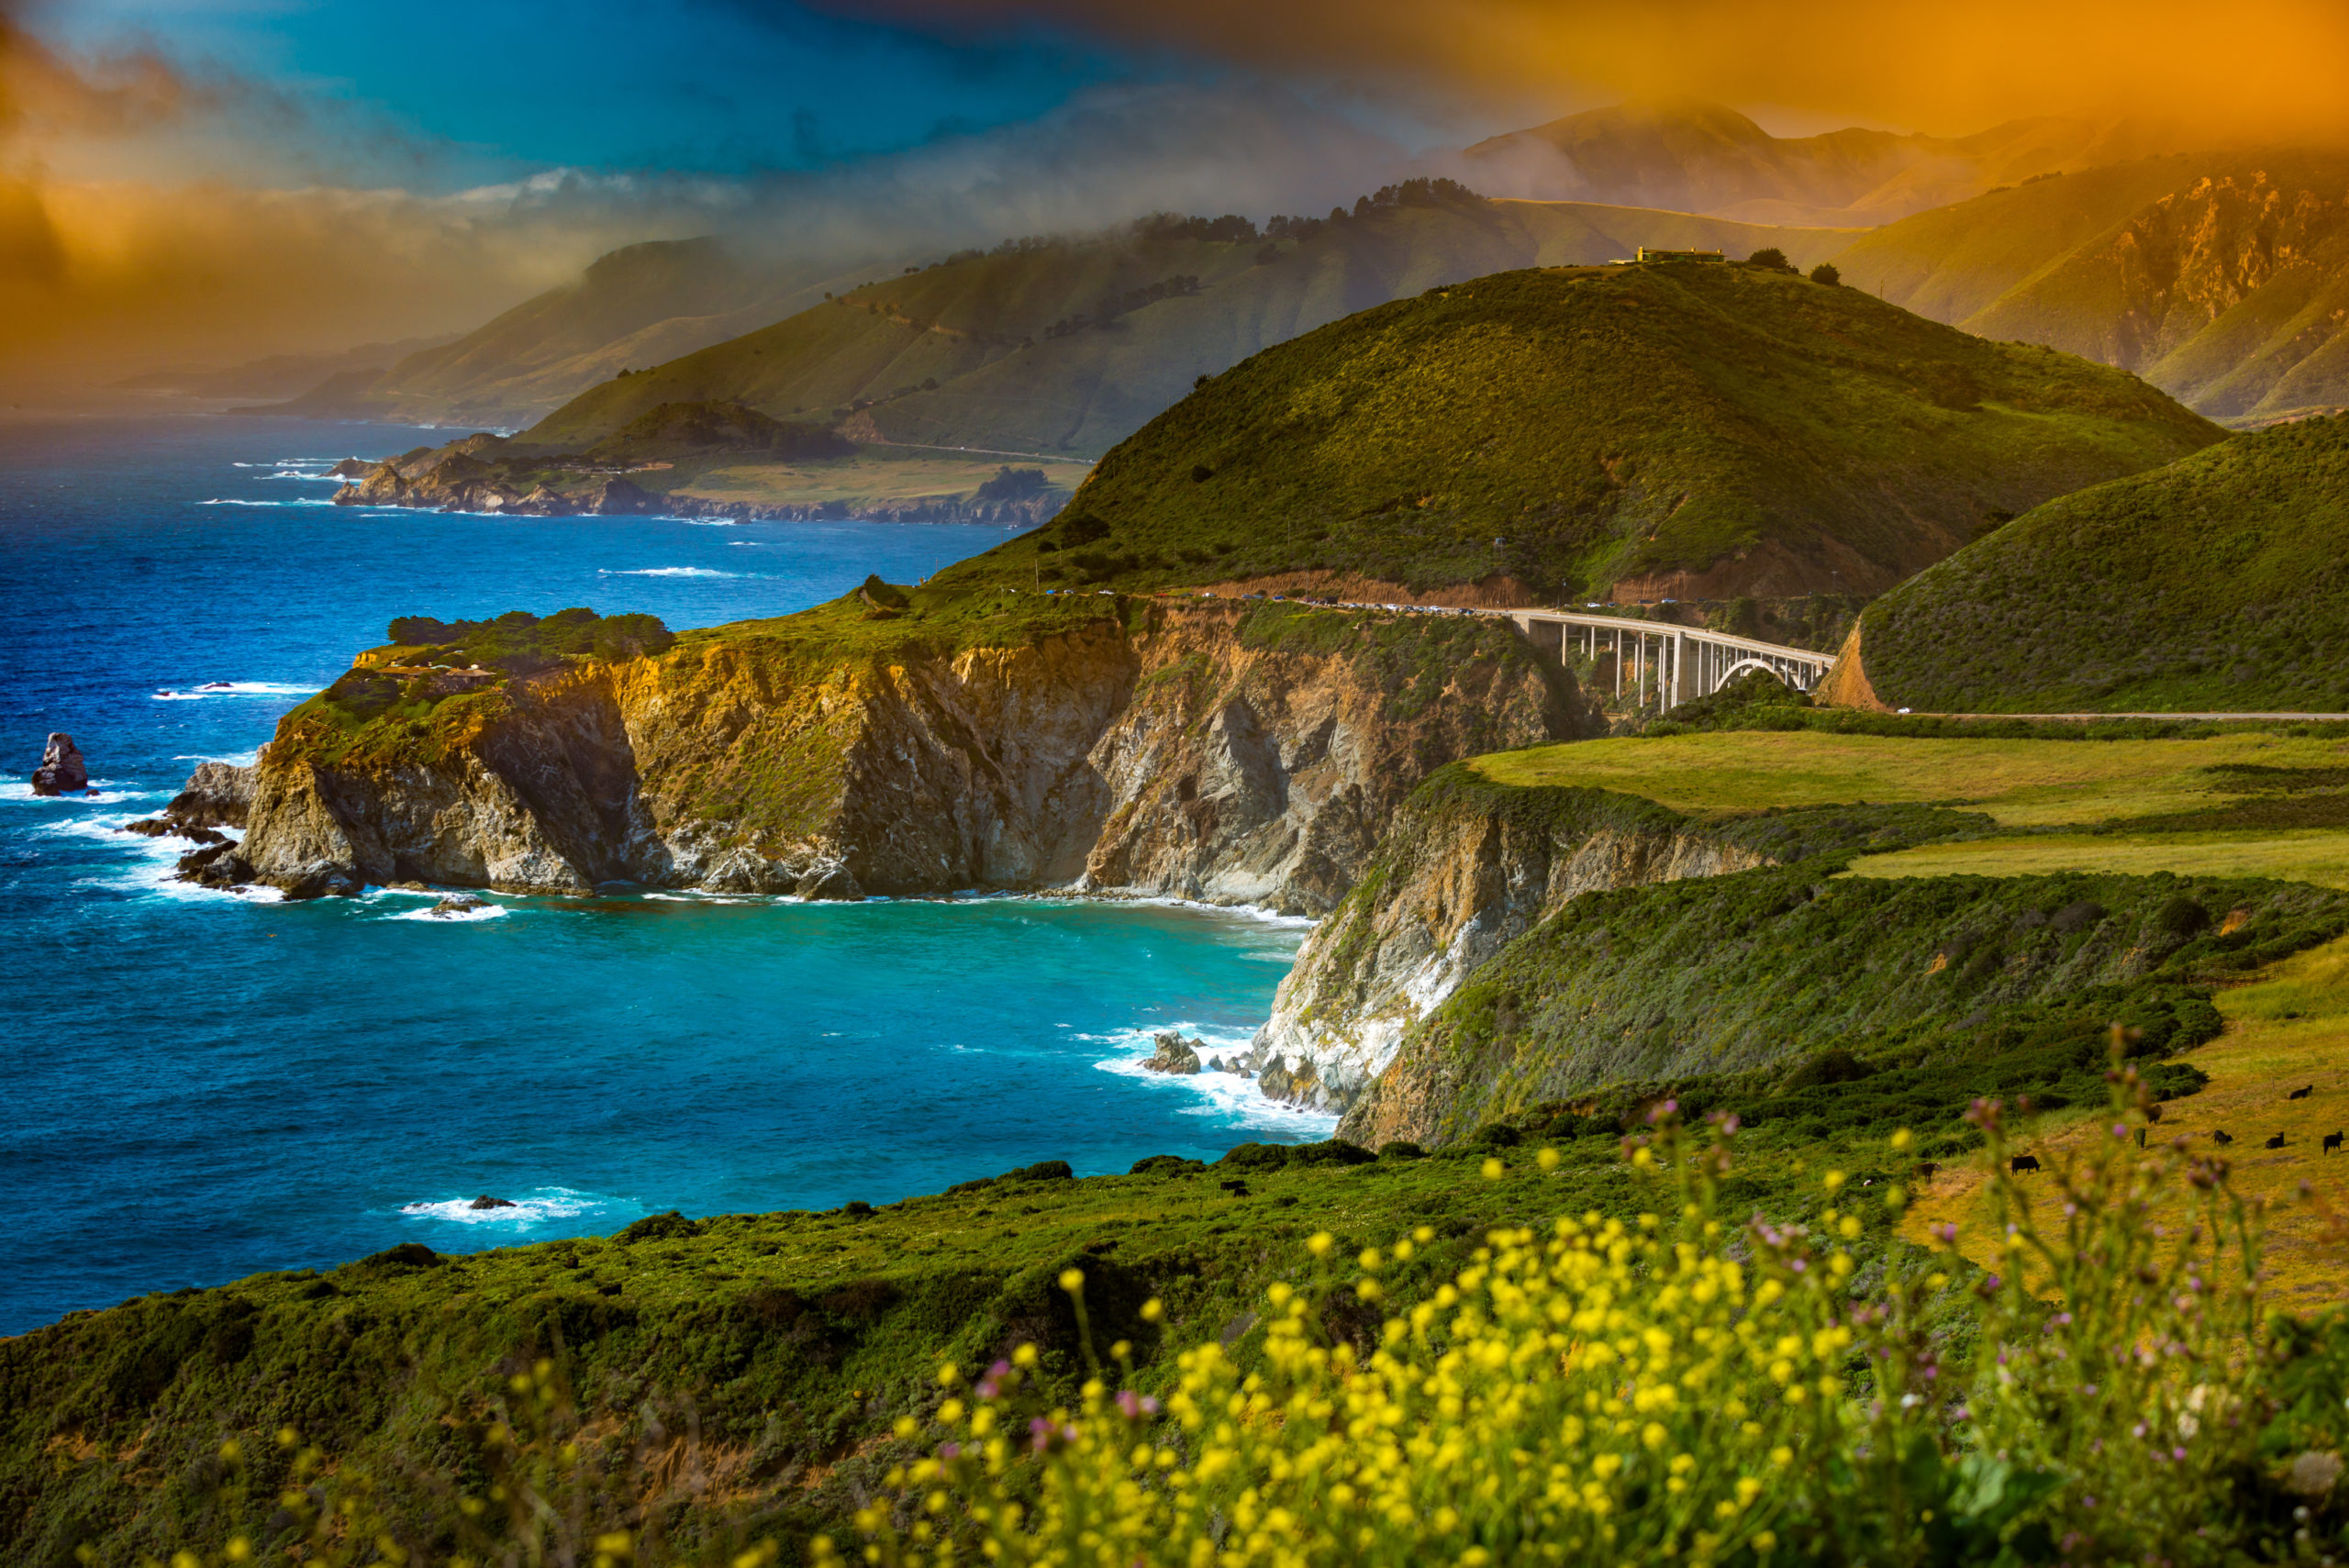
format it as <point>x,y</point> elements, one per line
<point>1649,664</point>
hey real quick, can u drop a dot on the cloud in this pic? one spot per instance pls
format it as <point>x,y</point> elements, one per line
<point>101,279</point>
<point>2255,68</point>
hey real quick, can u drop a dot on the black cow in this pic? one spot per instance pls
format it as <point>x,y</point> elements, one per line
<point>2332,1141</point>
<point>1236,1189</point>
<point>1927,1170</point>
<point>2277,1141</point>
<point>2023,1162</point>
<point>2222,1137</point>
<point>2301,1093</point>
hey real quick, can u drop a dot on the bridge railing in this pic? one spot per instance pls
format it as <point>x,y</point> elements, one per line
<point>1658,664</point>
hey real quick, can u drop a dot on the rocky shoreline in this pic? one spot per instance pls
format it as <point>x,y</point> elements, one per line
<point>470,476</point>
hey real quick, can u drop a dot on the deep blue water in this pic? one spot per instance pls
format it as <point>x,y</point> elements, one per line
<point>194,1086</point>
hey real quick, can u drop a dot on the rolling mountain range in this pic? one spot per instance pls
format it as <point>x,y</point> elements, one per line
<point>2223,279</point>
<point>635,306</point>
<point>1705,158</point>
<point>2220,277</point>
<point>1070,348</point>
<point>1055,346</point>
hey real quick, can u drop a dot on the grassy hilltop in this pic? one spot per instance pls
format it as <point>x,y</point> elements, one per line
<point>2221,584</point>
<point>1677,429</point>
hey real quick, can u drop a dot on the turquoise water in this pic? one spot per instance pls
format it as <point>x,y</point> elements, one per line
<point>199,1087</point>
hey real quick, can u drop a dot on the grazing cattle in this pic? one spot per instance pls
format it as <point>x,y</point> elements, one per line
<point>2301,1093</point>
<point>2332,1141</point>
<point>2222,1137</point>
<point>2154,1111</point>
<point>2277,1141</point>
<point>1927,1170</point>
<point>2023,1162</point>
<point>1236,1189</point>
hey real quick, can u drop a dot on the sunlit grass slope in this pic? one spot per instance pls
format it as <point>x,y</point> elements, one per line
<point>2220,583</point>
<point>745,1366</point>
<point>2319,855</point>
<point>1576,427</point>
<point>2034,783</point>
<point>2288,1030</point>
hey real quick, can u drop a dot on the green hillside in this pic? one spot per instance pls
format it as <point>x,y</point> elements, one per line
<point>1070,346</point>
<point>2221,280</point>
<point>1667,429</point>
<point>636,307</point>
<point>2220,583</point>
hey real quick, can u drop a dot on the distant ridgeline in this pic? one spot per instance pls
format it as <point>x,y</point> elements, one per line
<point>1673,430</point>
<point>2220,583</point>
<point>1070,343</point>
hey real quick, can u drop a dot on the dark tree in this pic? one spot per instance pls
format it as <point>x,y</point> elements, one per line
<point>1770,258</point>
<point>1825,272</point>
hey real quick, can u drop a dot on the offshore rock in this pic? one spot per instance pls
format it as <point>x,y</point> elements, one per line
<point>453,904</point>
<point>1206,750</point>
<point>485,1201</point>
<point>62,769</point>
<point>1174,1054</point>
<point>828,881</point>
<point>166,827</point>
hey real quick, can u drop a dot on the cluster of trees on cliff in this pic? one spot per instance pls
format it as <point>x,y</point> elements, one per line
<point>519,641</point>
<point>1233,229</point>
<point>1117,305</point>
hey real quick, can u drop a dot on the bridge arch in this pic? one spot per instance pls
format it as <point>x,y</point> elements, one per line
<point>1767,666</point>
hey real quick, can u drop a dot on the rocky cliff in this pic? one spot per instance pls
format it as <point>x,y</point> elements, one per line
<point>1468,868</point>
<point>1206,749</point>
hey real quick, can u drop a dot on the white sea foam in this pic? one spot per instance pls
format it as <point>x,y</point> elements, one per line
<point>1223,1096</point>
<point>102,791</point>
<point>670,572</point>
<point>234,759</point>
<point>537,1208</point>
<point>234,501</point>
<point>486,912</point>
<point>236,689</point>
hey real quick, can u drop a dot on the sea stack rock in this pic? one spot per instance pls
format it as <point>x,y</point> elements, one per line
<point>1174,1054</point>
<point>62,770</point>
<point>485,1201</point>
<point>458,904</point>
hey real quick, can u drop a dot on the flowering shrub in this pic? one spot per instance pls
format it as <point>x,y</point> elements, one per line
<point>1683,1387</point>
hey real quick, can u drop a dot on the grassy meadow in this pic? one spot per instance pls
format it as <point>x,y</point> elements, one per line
<point>2050,783</point>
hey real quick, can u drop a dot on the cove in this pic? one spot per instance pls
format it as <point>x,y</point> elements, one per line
<point>203,1087</point>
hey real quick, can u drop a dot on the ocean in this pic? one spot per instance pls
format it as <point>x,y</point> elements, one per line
<point>198,1086</point>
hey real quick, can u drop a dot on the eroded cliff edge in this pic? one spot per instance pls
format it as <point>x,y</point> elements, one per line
<point>1469,869</point>
<point>1211,749</point>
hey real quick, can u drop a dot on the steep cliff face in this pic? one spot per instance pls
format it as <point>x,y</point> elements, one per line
<point>1468,868</point>
<point>1734,991</point>
<point>1214,750</point>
